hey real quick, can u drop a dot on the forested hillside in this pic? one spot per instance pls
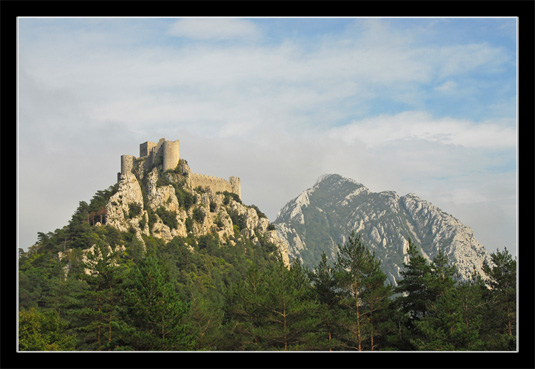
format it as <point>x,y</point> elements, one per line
<point>92,287</point>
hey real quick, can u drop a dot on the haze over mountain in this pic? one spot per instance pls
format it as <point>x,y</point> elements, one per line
<point>322,217</point>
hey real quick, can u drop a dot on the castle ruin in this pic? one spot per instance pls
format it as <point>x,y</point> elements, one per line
<point>167,154</point>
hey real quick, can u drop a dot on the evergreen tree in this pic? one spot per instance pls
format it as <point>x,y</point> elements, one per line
<point>441,277</point>
<point>43,332</point>
<point>445,326</point>
<point>502,300</point>
<point>98,314</point>
<point>152,310</point>
<point>274,310</point>
<point>204,318</point>
<point>244,312</point>
<point>332,318</point>
<point>359,275</point>
<point>413,287</point>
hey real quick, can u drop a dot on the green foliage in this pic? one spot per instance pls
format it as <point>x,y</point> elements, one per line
<point>43,332</point>
<point>417,296</point>
<point>189,225</point>
<point>152,310</point>
<point>213,207</point>
<point>168,217</point>
<point>364,292</point>
<point>273,309</point>
<point>333,319</point>
<point>198,215</point>
<point>237,219</point>
<point>134,210</point>
<point>218,221</point>
<point>445,327</point>
<point>258,211</point>
<point>502,299</point>
<point>185,198</point>
<point>97,315</point>
<point>200,190</point>
<point>229,196</point>
<point>203,293</point>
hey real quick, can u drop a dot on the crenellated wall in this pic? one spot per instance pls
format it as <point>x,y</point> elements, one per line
<point>216,184</point>
<point>168,152</point>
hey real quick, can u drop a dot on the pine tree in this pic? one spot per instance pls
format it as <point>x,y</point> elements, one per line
<point>331,317</point>
<point>446,326</point>
<point>502,300</point>
<point>450,318</point>
<point>359,275</point>
<point>43,332</point>
<point>153,311</point>
<point>204,317</point>
<point>98,314</point>
<point>274,309</point>
<point>413,287</point>
<point>244,311</point>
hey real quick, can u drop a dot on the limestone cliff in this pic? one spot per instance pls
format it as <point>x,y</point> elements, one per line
<point>166,205</point>
<point>323,216</point>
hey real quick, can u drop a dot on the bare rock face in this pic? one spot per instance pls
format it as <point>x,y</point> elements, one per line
<point>165,206</point>
<point>121,207</point>
<point>323,216</point>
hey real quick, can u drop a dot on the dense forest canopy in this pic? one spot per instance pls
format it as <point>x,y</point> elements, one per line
<point>88,287</point>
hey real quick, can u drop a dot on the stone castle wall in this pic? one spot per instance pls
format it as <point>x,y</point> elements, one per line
<point>216,184</point>
<point>127,163</point>
<point>235,183</point>
<point>171,154</point>
<point>145,148</point>
<point>169,151</point>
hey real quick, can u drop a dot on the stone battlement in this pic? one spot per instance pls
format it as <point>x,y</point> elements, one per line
<point>206,177</point>
<point>216,184</point>
<point>150,152</point>
<point>167,153</point>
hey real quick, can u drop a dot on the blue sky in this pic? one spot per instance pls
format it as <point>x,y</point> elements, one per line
<point>423,105</point>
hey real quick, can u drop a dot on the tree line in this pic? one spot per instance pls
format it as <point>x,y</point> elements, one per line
<point>174,298</point>
<point>200,293</point>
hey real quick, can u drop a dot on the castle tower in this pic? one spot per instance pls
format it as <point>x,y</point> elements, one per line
<point>171,154</point>
<point>145,148</point>
<point>235,184</point>
<point>127,163</point>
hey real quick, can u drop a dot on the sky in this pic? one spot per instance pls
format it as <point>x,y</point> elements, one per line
<point>421,105</point>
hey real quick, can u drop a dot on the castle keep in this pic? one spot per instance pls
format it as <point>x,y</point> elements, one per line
<point>167,154</point>
<point>150,152</point>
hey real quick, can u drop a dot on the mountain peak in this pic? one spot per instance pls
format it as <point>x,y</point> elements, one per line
<point>325,177</point>
<point>329,178</point>
<point>323,216</point>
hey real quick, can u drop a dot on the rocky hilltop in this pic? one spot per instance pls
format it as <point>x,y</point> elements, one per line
<point>170,203</point>
<point>323,216</point>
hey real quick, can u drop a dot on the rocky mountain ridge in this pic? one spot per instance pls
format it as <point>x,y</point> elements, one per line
<point>165,205</point>
<point>322,216</point>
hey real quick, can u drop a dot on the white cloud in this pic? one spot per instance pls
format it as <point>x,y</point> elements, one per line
<point>418,125</point>
<point>447,87</point>
<point>215,29</point>
<point>269,113</point>
<point>460,59</point>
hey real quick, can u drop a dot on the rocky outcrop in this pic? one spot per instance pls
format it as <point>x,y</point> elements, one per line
<point>165,205</point>
<point>128,196</point>
<point>323,216</point>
